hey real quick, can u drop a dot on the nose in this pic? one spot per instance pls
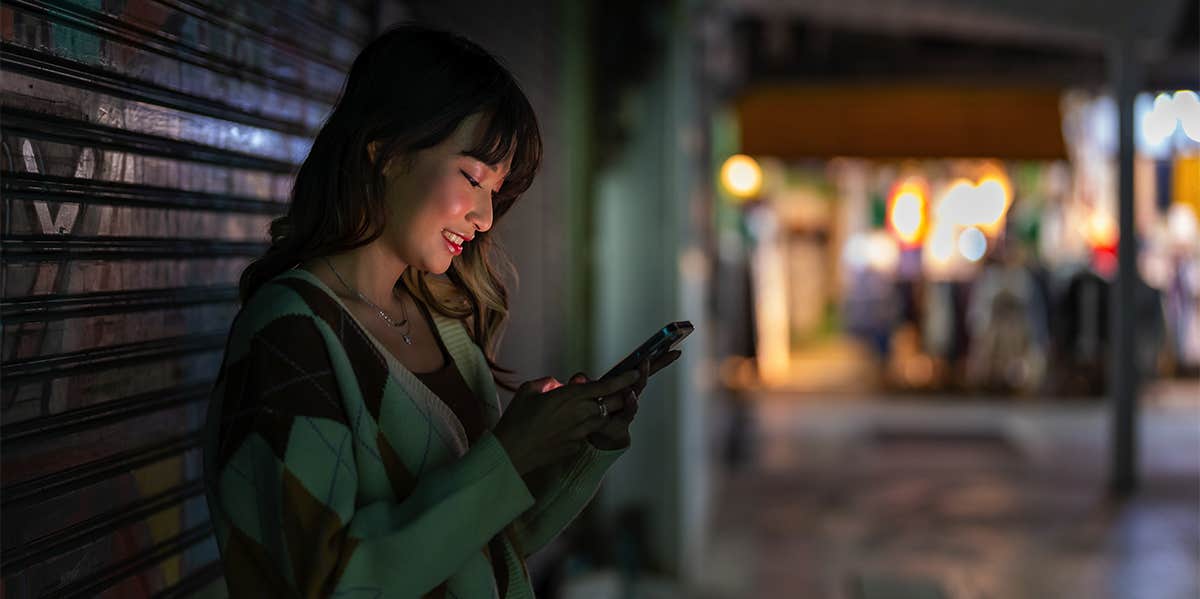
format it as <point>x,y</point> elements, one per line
<point>481,215</point>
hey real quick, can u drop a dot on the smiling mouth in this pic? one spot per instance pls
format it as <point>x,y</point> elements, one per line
<point>454,242</point>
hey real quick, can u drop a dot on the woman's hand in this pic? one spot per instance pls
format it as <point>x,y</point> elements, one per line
<point>623,408</point>
<point>547,421</point>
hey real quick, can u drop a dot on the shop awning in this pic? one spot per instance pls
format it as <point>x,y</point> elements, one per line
<point>797,121</point>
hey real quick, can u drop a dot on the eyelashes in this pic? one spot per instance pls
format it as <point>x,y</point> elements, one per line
<point>470,179</point>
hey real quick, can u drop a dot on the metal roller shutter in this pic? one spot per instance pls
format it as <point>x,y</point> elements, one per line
<point>146,146</point>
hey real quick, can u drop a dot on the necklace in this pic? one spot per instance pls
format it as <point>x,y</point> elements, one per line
<point>382,314</point>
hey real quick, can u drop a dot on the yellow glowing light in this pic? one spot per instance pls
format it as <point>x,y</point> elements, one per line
<point>1101,230</point>
<point>741,176</point>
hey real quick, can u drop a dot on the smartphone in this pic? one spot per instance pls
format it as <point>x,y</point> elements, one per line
<point>661,342</point>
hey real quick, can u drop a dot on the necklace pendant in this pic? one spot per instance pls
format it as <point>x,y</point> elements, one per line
<point>407,339</point>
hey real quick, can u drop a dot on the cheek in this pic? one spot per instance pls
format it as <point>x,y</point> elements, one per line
<point>448,201</point>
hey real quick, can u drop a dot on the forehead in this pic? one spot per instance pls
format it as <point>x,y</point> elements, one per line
<point>467,137</point>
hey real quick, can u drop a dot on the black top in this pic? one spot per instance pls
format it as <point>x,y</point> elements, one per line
<point>448,384</point>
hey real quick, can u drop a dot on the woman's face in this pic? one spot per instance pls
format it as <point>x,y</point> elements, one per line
<point>440,198</point>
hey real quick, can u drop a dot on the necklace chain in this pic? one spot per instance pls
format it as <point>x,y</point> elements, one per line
<point>384,315</point>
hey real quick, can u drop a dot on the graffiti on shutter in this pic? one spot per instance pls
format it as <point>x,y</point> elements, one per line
<point>146,148</point>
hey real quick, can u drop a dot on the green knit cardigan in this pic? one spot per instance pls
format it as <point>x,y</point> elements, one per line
<point>332,471</point>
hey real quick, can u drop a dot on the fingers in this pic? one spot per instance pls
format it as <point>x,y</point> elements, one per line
<point>542,385</point>
<point>630,408</point>
<point>578,377</point>
<point>594,421</point>
<point>594,389</point>
<point>643,374</point>
<point>665,360</point>
<point>615,404</point>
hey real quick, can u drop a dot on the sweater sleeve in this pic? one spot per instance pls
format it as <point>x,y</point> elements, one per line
<point>286,487</point>
<point>562,491</point>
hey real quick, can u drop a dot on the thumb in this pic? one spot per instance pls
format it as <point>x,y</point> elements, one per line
<point>542,385</point>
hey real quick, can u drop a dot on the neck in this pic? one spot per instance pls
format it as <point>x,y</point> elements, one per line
<point>370,269</point>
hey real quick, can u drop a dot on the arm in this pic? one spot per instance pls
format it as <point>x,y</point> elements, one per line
<point>562,491</point>
<point>564,488</point>
<point>287,486</point>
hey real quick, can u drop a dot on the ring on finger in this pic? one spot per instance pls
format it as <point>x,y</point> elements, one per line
<point>603,407</point>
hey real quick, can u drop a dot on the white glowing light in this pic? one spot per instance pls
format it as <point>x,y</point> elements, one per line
<point>980,205</point>
<point>972,244</point>
<point>1181,223</point>
<point>941,243</point>
<point>956,203</point>
<point>1159,123</point>
<point>1187,110</point>
<point>908,216</point>
<point>875,250</point>
<point>855,252</point>
<point>991,202</point>
<point>882,253</point>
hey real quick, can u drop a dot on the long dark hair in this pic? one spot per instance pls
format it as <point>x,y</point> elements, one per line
<point>408,90</point>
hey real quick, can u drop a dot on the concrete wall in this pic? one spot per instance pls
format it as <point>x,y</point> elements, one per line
<point>526,35</point>
<point>652,268</point>
<point>610,241</point>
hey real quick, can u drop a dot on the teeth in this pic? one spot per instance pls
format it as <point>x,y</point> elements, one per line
<point>455,239</point>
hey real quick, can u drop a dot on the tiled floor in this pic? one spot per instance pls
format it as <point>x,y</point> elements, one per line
<point>964,500</point>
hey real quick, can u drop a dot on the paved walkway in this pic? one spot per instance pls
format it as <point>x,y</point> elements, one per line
<point>849,498</point>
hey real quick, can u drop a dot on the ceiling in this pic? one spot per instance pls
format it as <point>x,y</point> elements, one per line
<point>1040,42</point>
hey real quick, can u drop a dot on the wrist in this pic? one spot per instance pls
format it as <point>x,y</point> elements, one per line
<point>606,443</point>
<point>517,461</point>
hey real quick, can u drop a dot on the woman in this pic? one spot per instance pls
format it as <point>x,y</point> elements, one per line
<point>355,443</point>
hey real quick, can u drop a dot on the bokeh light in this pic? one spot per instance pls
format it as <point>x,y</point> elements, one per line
<point>882,253</point>
<point>941,243</point>
<point>1187,110</point>
<point>875,250</point>
<point>983,204</point>
<point>972,244</point>
<point>907,214</point>
<point>1182,223</point>
<point>1100,230</point>
<point>956,203</point>
<point>1159,123</point>
<point>992,200</point>
<point>742,176</point>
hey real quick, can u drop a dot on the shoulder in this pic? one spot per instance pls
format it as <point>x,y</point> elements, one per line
<point>289,312</point>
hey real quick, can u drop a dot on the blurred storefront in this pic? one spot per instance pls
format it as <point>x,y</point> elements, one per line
<point>931,239</point>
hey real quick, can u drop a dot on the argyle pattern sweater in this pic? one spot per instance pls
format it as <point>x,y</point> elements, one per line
<point>332,471</point>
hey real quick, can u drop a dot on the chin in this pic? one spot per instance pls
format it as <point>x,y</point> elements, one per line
<point>438,268</point>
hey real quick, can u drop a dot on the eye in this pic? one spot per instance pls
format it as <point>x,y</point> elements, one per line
<point>470,179</point>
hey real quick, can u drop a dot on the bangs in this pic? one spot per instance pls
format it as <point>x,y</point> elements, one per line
<point>512,130</point>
